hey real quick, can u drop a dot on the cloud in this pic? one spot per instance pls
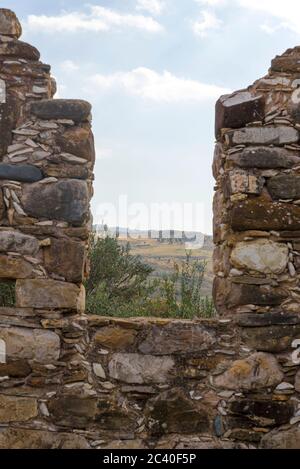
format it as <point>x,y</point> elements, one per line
<point>69,66</point>
<point>165,87</point>
<point>207,22</point>
<point>98,19</point>
<point>155,7</point>
<point>211,3</point>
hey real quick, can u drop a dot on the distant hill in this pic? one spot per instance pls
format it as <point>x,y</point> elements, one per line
<point>160,253</point>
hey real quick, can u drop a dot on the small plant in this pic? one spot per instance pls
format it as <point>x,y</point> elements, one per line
<point>7,294</point>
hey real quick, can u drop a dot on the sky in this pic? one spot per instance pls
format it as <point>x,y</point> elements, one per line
<point>153,70</point>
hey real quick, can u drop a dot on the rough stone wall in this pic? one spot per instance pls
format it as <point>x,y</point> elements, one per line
<point>68,380</point>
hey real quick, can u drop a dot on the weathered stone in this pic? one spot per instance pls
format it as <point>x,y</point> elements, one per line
<point>238,109</point>
<point>74,109</point>
<point>67,171</point>
<point>15,368</point>
<point>267,319</point>
<point>294,106</point>
<point>73,411</point>
<point>217,161</point>
<point>21,172</point>
<point>243,294</point>
<point>45,293</point>
<point>284,186</point>
<point>19,49</point>
<point>17,409</point>
<point>9,23</point>
<point>14,267</point>
<point>239,181</point>
<point>263,412</point>
<point>133,368</point>
<point>265,158</point>
<point>78,141</point>
<point>20,438</point>
<point>271,135</point>
<point>116,338</point>
<point>172,412</point>
<point>261,214</point>
<point>262,255</point>
<point>31,344</point>
<point>2,205</point>
<point>9,113</point>
<point>297,382</point>
<point>66,200</point>
<point>282,439</point>
<point>270,339</point>
<point>65,258</point>
<point>178,337</point>
<point>14,241</point>
<point>258,371</point>
<point>288,62</point>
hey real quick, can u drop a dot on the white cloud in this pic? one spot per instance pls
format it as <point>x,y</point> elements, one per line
<point>155,7</point>
<point>288,12</point>
<point>98,19</point>
<point>103,153</point>
<point>211,3</point>
<point>165,87</point>
<point>206,23</point>
<point>69,66</point>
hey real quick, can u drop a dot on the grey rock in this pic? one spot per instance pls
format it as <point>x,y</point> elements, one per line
<point>13,241</point>
<point>284,186</point>
<point>21,173</point>
<point>271,135</point>
<point>9,23</point>
<point>75,109</point>
<point>66,200</point>
<point>265,158</point>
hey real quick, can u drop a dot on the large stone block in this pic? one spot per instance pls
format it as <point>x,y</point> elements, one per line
<point>14,267</point>
<point>275,338</point>
<point>294,106</point>
<point>17,409</point>
<point>262,255</point>
<point>9,23</point>
<point>289,62</point>
<point>21,172</point>
<point>9,113</point>
<point>78,141</point>
<point>75,109</point>
<point>14,241</point>
<point>66,200</point>
<point>133,368</point>
<point>46,293</point>
<point>265,158</point>
<point>21,438</point>
<point>263,413</point>
<point>237,110</point>
<point>271,135</point>
<point>172,412</point>
<point>19,49</point>
<point>73,411</point>
<point>260,214</point>
<point>178,338</point>
<point>31,344</point>
<point>256,372</point>
<point>282,439</point>
<point>239,181</point>
<point>113,337</point>
<point>284,186</point>
<point>65,258</point>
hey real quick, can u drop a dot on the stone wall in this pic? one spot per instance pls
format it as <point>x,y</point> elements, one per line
<point>68,380</point>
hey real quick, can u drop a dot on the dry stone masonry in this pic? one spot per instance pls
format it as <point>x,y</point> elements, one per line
<point>68,380</point>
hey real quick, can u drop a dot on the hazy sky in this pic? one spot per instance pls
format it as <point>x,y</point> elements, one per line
<point>153,70</point>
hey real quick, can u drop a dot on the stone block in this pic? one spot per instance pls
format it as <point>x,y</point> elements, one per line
<point>9,23</point>
<point>21,438</point>
<point>264,295</point>
<point>116,338</point>
<point>284,186</point>
<point>78,141</point>
<point>259,371</point>
<point>262,256</point>
<point>73,411</point>
<point>30,344</point>
<point>17,409</point>
<point>19,49</point>
<point>239,181</point>
<point>14,267</point>
<point>14,241</point>
<point>134,368</point>
<point>65,258</point>
<point>46,293</point>
<point>265,158</point>
<point>282,439</point>
<point>270,135</point>
<point>74,109</point>
<point>263,413</point>
<point>66,200</point>
<point>21,172</point>
<point>274,339</point>
<point>237,110</point>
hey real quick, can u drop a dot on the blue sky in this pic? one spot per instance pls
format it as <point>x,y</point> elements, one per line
<point>153,70</point>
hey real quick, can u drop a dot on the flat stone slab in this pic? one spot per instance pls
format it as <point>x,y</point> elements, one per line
<point>262,255</point>
<point>21,173</point>
<point>19,49</point>
<point>13,241</point>
<point>238,109</point>
<point>74,109</point>
<point>284,186</point>
<point>271,135</point>
<point>265,158</point>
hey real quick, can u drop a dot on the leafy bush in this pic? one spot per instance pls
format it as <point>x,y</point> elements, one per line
<point>119,285</point>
